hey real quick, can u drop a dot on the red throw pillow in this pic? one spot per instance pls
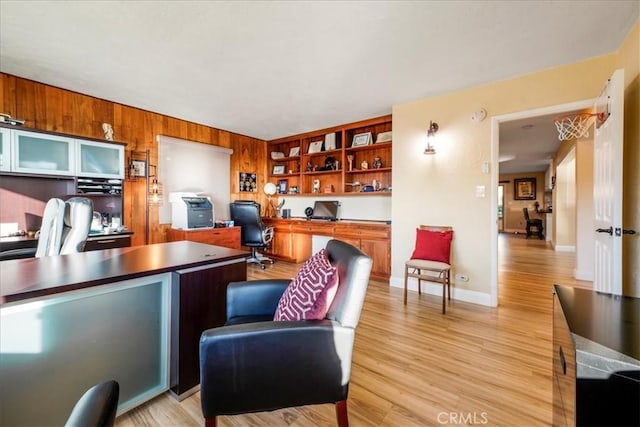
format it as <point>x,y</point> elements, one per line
<point>433,245</point>
<point>311,292</point>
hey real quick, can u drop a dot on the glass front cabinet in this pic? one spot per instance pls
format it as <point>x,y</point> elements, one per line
<point>100,160</point>
<point>5,150</point>
<point>40,153</point>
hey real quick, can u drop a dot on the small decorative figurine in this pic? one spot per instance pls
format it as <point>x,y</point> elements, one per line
<point>364,165</point>
<point>316,185</point>
<point>309,166</point>
<point>377,163</point>
<point>350,158</point>
<point>108,131</point>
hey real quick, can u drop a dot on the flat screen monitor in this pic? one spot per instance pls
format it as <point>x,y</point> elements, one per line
<point>325,209</point>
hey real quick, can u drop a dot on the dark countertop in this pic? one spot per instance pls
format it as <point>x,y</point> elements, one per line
<point>612,321</point>
<point>22,279</point>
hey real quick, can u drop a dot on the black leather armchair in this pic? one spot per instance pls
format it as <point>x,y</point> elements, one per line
<point>97,407</point>
<point>253,234</point>
<point>255,364</point>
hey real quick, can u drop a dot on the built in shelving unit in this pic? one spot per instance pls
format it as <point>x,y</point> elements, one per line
<point>351,159</point>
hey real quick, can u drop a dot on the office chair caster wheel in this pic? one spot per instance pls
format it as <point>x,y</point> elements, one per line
<point>262,266</point>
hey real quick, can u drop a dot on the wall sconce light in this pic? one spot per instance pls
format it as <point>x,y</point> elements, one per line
<point>154,192</point>
<point>154,187</point>
<point>431,135</point>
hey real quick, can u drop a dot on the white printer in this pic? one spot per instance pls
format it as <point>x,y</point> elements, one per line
<point>190,211</point>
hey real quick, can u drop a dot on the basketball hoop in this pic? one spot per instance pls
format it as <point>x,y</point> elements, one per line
<point>574,125</point>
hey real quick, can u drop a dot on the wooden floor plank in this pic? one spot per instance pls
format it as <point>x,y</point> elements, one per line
<point>413,366</point>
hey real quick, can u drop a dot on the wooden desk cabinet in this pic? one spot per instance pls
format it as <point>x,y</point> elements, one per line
<point>228,237</point>
<point>292,240</point>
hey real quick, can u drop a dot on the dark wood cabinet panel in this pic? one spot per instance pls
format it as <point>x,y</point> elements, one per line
<point>596,373</point>
<point>107,242</point>
<point>198,303</point>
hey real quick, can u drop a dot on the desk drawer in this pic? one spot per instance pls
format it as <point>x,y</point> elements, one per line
<point>107,242</point>
<point>362,231</point>
<point>318,228</point>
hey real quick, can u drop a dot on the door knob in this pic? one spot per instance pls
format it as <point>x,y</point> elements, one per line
<point>628,231</point>
<point>605,230</point>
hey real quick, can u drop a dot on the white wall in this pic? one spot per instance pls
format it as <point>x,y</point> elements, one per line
<point>355,207</point>
<point>565,205</point>
<point>584,210</point>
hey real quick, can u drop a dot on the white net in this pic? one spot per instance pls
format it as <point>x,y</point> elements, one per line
<point>570,127</point>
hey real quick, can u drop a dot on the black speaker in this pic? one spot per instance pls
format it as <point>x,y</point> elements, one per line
<point>308,212</point>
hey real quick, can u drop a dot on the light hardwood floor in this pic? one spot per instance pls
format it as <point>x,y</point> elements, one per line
<point>413,366</point>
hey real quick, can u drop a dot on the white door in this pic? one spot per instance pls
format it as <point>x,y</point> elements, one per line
<point>607,186</point>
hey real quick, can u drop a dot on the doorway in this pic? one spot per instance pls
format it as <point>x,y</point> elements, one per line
<point>497,155</point>
<point>500,208</point>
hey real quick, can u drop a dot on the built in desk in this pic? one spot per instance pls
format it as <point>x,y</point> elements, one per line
<point>131,314</point>
<point>292,240</point>
<point>229,237</point>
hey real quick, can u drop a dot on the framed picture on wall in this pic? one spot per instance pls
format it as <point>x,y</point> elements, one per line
<point>524,188</point>
<point>282,186</point>
<point>138,168</point>
<point>361,139</point>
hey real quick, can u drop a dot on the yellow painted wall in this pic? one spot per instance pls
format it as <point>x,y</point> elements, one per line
<point>628,58</point>
<point>441,189</point>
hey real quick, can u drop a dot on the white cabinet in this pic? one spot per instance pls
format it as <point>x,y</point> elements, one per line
<point>45,154</point>
<point>41,153</point>
<point>5,149</point>
<point>100,159</point>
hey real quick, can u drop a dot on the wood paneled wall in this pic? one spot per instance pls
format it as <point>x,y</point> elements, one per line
<point>50,108</point>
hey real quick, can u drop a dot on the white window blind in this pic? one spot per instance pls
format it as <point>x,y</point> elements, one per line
<point>189,166</point>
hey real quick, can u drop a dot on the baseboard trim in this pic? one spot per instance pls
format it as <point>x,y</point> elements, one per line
<point>583,275</point>
<point>564,248</point>
<point>432,288</point>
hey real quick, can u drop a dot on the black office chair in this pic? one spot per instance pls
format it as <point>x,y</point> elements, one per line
<point>254,234</point>
<point>97,407</point>
<point>255,364</point>
<point>533,223</point>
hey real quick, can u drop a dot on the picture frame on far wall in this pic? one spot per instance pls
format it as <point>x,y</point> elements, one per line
<point>524,189</point>
<point>278,170</point>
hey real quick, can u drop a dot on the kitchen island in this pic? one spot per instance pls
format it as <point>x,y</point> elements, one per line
<point>131,314</point>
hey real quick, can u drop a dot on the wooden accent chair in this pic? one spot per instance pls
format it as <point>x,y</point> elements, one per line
<point>533,223</point>
<point>425,266</point>
<point>255,364</point>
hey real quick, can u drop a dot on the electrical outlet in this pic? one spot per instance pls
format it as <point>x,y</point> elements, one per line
<point>462,277</point>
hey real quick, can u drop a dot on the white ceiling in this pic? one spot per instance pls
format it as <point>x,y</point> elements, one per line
<point>529,145</point>
<point>270,69</point>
